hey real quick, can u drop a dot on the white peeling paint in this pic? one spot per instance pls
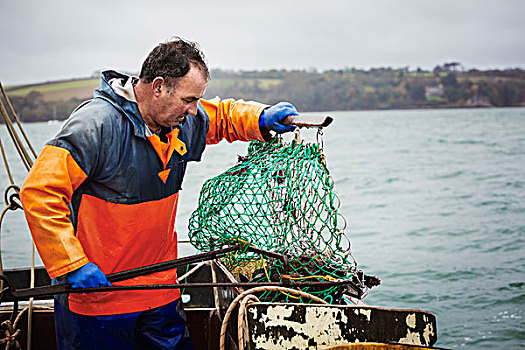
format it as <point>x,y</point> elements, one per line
<point>275,315</point>
<point>367,313</point>
<point>322,324</point>
<point>411,320</point>
<point>344,318</point>
<point>319,325</point>
<point>411,338</point>
<point>428,332</point>
<point>253,310</point>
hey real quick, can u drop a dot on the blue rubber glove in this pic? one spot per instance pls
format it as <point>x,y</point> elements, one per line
<point>272,118</point>
<point>88,276</point>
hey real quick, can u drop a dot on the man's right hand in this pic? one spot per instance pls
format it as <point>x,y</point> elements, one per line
<point>88,276</point>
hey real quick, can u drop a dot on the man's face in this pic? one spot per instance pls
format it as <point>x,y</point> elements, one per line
<point>173,105</point>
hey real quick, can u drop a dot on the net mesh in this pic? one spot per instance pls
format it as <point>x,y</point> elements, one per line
<point>279,197</point>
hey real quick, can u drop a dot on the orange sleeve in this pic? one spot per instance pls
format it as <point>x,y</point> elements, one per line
<point>232,120</point>
<point>45,195</point>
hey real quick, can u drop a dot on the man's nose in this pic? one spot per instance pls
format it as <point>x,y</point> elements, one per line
<point>192,108</point>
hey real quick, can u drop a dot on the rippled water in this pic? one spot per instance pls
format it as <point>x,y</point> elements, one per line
<point>435,201</point>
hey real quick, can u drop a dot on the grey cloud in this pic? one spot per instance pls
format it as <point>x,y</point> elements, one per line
<point>60,39</point>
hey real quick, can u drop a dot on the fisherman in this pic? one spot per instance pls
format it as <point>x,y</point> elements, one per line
<point>102,195</point>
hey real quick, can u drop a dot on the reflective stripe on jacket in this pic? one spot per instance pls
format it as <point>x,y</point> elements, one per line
<point>103,191</point>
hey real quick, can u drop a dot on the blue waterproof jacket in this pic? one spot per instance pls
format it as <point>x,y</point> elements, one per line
<point>105,189</point>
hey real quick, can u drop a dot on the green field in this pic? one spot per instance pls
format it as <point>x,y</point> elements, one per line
<point>83,88</point>
<point>263,83</point>
<point>426,74</point>
<point>53,86</point>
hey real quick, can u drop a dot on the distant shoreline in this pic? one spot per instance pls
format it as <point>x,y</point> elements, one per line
<point>310,91</point>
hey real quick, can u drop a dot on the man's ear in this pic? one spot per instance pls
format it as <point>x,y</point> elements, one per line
<point>156,85</point>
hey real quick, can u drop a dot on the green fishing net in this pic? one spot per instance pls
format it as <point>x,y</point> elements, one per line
<point>279,197</point>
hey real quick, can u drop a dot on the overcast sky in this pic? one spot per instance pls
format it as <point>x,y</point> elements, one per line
<point>55,39</point>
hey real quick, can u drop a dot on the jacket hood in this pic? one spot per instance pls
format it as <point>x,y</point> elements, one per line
<point>127,105</point>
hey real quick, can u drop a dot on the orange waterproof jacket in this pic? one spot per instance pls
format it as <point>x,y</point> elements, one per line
<point>102,191</point>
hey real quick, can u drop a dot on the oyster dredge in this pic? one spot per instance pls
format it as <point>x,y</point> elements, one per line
<point>274,268</point>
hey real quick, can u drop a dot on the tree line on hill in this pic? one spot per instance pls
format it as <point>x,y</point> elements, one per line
<point>382,88</point>
<point>347,89</point>
<point>34,108</point>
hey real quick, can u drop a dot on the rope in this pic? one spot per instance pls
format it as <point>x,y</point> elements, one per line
<point>192,271</point>
<point>24,157</point>
<point>11,331</point>
<point>28,162</point>
<point>30,307</point>
<point>279,197</point>
<point>256,290</point>
<point>6,164</point>
<point>242,322</point>
<point>10,335</point>
<point>9,206</point>
<point>12,110</point>
<point>1,264</point>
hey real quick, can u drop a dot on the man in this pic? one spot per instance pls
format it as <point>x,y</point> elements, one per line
<point>102,196</point>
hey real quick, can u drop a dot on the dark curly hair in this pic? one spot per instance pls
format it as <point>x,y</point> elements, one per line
<point>171,60</point>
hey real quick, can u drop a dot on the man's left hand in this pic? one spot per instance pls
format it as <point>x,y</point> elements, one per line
<point>272,118</point>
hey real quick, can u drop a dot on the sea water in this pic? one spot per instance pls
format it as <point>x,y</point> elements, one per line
<point>435,201</point>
